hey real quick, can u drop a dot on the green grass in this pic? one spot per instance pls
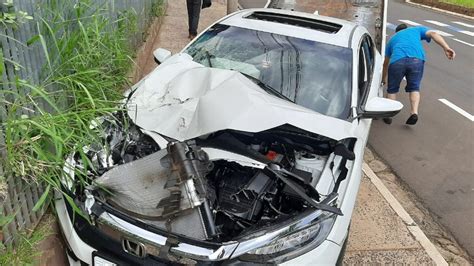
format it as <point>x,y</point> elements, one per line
<point>85,73</point>
<point>26,252</point>
<point>464,3</point>
<point>88,60</point>
<point>158,8</point>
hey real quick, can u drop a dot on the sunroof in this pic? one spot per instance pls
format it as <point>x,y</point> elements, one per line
<point>309,23</point>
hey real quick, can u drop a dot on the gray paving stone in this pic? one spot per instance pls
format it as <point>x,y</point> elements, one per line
<point>378,166</point>
<point>368,155</point>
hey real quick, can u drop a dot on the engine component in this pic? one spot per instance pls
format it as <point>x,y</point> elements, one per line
<point>180,190</point>
<point>188,165</point>
<point>122,142</point>
<point>277,171</point>
<point>311,163</point>
<point>162,187</point>
<point>244,201</point>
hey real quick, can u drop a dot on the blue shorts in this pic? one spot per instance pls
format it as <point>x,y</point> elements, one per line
<point>409,67</point>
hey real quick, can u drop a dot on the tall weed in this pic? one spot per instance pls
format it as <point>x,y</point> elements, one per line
<point>88,57</point>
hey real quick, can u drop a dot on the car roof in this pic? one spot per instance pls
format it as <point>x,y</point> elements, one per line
<point>340,37</point>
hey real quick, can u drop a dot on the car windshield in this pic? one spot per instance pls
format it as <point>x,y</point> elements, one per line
<point>312,74</point>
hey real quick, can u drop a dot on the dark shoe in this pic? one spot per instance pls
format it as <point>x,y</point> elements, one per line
<point>191,36</point>
<point>412,119</point>
<point>387,120</point>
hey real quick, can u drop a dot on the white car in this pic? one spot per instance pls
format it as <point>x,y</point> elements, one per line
<point>246,147</point>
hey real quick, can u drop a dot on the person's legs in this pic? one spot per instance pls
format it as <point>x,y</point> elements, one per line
<point>392,96</point>
<point>396,72</point>
<point>414,101</point>
<point>194,10</point>
<point>414,75</point>
<point>189,6</point>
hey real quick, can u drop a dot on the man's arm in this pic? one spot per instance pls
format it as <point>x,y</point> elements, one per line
<point>450,54</point>
<point>385,69</point>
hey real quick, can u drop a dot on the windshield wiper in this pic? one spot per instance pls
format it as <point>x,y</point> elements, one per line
<point>208,57</point>
<point>266,87</point>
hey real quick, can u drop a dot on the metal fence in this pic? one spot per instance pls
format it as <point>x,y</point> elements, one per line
<point>22,61</point>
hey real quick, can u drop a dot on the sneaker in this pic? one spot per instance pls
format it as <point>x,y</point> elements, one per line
<point>387,120</point>
<point>412,119</point>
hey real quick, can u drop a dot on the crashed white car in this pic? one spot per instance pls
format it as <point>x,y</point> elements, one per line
<point>246,147</point>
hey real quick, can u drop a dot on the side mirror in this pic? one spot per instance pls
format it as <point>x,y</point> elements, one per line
<point>378,107</point>
<point>161,55</point>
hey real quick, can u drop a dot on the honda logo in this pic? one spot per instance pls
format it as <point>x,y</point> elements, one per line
<point>134,248</point>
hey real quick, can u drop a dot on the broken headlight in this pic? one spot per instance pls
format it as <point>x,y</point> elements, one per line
<point>295,243</point>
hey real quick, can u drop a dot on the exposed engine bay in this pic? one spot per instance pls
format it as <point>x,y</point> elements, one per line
<point>181,189</point>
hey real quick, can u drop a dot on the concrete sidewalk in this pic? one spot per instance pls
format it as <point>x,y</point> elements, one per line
<point>378,234</point>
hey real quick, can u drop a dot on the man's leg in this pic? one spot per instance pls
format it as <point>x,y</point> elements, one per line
<point>189,6</point>
<point>194,17</point>
<point>414,75</point>
<point>392,96</point>
<point>396,72</point>
<point>414,101</point>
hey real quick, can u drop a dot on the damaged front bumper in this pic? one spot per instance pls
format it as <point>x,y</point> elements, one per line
<point>128,241</point>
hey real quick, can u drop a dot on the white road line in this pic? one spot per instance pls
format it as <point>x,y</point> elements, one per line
<point>437,23</point>
<point>464,24</point>
<point>463,42</point>
<point>457,109</point>
<point>409,22</point>
<point>414,229</point>
<point>442,33</point>
<point>470,33</point>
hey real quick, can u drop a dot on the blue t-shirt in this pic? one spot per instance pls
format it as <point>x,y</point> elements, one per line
<point>407,43</point>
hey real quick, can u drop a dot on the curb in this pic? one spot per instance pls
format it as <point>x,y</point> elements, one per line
<point>439,10</point>
<point>147,47</point>
<point>414,229</point>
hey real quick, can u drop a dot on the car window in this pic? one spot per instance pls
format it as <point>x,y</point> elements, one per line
<point>368,47</point>
<point>312,74</point>
<point>366,67</point>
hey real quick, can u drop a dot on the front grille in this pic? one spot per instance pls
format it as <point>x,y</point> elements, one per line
<point>139,247</point>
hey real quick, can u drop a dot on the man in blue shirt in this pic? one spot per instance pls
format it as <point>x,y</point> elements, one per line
<point>405,57</point>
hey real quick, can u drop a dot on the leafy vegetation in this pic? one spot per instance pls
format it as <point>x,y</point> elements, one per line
<point>86,69</point>
<point>9,15</point>
<point>88,57</point>
<point>158,8</point>
<point>464,3</point>
<point>26,252</point>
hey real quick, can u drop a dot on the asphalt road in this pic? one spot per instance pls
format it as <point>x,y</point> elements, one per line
<point>435,157</point>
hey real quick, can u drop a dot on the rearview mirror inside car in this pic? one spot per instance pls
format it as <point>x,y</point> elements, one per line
<point>161,55</point>
<point>378,107</point>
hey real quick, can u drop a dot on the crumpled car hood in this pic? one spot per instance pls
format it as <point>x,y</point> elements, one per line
<point>182,99</point>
